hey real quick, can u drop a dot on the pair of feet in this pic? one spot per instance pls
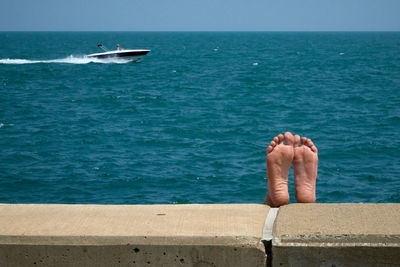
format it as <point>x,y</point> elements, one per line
<point>282,152</point>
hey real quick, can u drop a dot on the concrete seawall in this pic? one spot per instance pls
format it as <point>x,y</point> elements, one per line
<point>200,235</point>
<point>337,235</point>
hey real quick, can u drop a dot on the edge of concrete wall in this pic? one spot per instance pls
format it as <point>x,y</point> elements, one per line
<point>337,235</point>
<point>200,235</point>
<point>136,235</point>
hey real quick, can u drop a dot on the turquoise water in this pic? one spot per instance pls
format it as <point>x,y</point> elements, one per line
<point>190,123</point>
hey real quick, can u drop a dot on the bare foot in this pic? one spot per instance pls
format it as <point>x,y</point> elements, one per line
<point>279,158</point>
<point>305,169</point>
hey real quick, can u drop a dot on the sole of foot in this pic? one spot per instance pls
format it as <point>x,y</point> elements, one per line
<point>305,169</point>
<point>280,153</point>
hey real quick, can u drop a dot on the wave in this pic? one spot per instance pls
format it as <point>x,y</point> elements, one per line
<point>68,60</point>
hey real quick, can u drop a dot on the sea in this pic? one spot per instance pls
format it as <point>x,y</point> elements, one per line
<point>190,123</point>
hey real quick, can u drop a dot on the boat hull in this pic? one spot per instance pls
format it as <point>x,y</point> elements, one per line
<point>130,55</point>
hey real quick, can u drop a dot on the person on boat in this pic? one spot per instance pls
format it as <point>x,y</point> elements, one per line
<point>283,151</point>
<point>118,47</point>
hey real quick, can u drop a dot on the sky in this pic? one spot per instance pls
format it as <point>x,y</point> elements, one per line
<point>200,15</point>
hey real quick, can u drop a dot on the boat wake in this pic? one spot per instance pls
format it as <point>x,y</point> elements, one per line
<point>68,60</point>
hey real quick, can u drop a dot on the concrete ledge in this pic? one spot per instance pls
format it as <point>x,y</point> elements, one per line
<point>200,235</point>
<point>152,235</point>
<point>337,235</point>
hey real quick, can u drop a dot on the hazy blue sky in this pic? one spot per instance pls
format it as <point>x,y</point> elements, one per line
<point>200,15</point>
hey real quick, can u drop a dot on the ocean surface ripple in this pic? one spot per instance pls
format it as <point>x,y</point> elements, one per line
<point>191,122</point>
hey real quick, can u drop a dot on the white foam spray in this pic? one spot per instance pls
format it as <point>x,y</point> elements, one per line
<point>68,60</point>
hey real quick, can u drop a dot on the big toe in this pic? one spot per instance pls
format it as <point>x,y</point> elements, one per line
<point>296,140</point>
<point>289,139</point>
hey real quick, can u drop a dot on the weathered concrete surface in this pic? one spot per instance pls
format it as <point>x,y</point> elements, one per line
<point>140,235</point>
<point>337,235</point>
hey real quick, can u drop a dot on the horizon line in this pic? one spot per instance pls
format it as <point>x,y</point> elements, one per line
<point>155,31</point>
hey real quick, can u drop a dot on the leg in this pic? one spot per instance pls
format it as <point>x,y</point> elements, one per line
<point>279,158</point>
<point>305,169</point>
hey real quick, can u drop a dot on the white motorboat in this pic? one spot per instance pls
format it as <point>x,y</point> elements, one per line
<point>125,54</point>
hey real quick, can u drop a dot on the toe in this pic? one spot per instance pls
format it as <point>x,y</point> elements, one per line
<point>289,139</point>
<point>303,141</point>
<point>269,149</point>
<point>309,143</point>
<point>273,144</point>
<point>276,139</point>
<point>280,137</point>
<point>296,140</point>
